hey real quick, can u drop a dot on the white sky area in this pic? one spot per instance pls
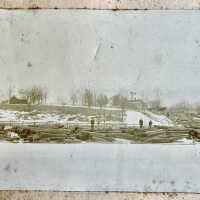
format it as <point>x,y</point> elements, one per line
<point>65,50</point>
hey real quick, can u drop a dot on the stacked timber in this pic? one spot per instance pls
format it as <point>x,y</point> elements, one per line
<point>53,134</point>
<point>157,134</point>
<point>84,136</point>
<point>195,123</point>
<point>59,134</point>
<point>195,134</point>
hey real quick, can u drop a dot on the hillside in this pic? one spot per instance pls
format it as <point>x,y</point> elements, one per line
<point>77,115</point>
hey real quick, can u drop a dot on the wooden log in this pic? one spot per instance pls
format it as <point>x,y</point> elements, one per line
<point>53,135</point>
<point>57,138</point>
<point>101,140</point>
<point>160,140</point>
<point>43,135</point>
<point>194,134</point>
<point>84,136</point>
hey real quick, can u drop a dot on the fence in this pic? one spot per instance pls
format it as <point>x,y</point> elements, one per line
<point>101,125</point>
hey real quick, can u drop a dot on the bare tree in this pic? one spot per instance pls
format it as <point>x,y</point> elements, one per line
<point>45,95</point>
<point>88,97</point>
<point>123,104</point>
<point>155,103</point>
<point>102,100</point>
<point>34,95</point>
<point>10,92</point>
<point>2,97</point>
<point>120,101</point>
<point>74,99</point>
<point>116,100</point>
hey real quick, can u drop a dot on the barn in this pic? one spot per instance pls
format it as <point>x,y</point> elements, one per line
<point>15,100</point>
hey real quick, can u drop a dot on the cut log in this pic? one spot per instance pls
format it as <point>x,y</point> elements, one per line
<point>84,136</point>
<point>194,134</point>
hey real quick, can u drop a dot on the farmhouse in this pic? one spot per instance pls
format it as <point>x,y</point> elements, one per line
<point>15,100</point>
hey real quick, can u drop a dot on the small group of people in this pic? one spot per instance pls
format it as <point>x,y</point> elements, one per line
<point>141,123</point>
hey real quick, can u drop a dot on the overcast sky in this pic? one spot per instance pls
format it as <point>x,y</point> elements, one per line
<point>111,51</point>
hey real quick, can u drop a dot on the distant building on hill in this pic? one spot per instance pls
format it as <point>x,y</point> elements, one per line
<point>15,100</point>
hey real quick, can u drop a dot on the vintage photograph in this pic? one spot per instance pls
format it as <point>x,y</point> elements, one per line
<point>110,77</point>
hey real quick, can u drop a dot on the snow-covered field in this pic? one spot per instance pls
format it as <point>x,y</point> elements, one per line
<point>34,116</point>
<point>132,118</point>
<point>82,106</point>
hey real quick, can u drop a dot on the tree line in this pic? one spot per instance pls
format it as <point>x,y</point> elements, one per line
<point>90,98</point>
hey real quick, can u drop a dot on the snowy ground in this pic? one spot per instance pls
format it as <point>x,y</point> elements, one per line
<point>34,116</point>
<point>13,117</point>
<point>82,106</point>
<point>132,118</point>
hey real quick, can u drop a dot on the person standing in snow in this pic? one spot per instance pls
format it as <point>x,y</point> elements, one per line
<point>141,123</point>
<point>150,124</point>
<point>92,124</point>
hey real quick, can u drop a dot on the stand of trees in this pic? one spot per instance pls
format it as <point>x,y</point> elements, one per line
<point>102,100</point>
<point>74,99</point>
<point>120,101</point>
<point>89,98</point>
<point>34,95</point>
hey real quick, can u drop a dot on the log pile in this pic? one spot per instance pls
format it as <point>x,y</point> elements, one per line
<point>157,135</point>
<point>195,135</point>
<point>59,134</point>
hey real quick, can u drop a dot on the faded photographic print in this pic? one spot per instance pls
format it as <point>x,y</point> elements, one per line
<point>99,77</point>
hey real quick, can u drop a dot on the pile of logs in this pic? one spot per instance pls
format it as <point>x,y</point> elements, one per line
<point>59,134</point>
<point>43,134</point>
<point>158,135</point>
<point>195,135</point>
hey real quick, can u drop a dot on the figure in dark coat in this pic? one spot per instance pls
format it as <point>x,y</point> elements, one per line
<point>150,124</point>
<point>92,124</point>
<point>141,123</point>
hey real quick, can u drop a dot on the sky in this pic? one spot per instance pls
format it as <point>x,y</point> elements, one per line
<point>109,51</point>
